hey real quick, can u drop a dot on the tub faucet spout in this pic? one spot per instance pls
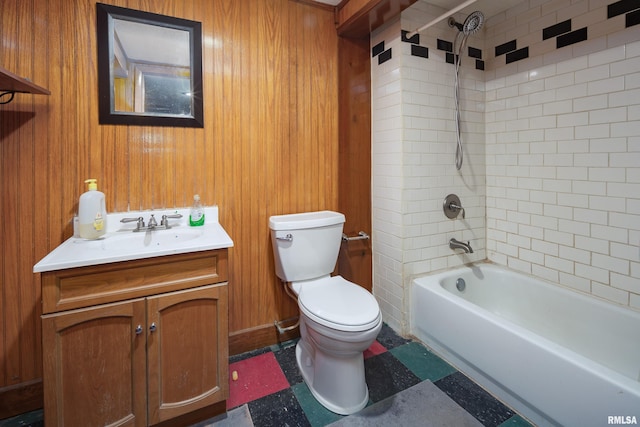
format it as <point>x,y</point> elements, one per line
<point>456,244</point>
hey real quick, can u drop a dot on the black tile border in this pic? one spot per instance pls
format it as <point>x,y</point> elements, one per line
<point>414,40</point>
<point>506,47</point>
<point>556,30</point>
<point>384,56</point>
<point>562,31</point>
<point>517,55</point>
<point>450,58</point>
<point>632,18</point>
<point>621,7</point>
<point>420,51</point>
<point>445,45</point>
<point>377,49</point>
<point>571,38</point>
<point>474,53</point>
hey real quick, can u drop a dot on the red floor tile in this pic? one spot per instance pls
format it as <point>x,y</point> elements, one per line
<point>374,349</point>
<point>257,377</point>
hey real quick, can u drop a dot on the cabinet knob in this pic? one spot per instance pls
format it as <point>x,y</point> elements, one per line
<point>138,329</point>
<point>153,327</point>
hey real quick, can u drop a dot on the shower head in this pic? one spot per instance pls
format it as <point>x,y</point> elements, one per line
<point>471,25</point>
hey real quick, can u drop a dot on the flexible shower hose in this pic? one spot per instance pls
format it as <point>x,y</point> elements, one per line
<point>458,60</point>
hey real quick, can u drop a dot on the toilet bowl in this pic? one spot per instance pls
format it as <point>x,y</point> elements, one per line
<point>338,318</point>
<point>329,354</point>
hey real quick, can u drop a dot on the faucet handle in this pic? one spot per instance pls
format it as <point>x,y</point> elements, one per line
<point>165,219</point>
<point>139,220</point>
<point>458,208</point>
<point>152,221</point>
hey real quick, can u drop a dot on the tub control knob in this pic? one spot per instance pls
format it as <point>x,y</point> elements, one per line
<point>452,206</point>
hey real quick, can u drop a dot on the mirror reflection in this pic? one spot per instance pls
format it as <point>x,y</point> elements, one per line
<point>149,68</point>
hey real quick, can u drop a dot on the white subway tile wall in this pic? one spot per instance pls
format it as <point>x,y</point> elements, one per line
<point>551,178</point>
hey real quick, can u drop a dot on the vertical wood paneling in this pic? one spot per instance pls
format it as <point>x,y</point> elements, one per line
<point>10,153</point>
<point>269,145</point>
<point>354,171</point>
<point>25,172</point>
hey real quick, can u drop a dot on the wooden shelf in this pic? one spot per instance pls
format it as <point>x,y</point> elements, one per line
<point>10,82</point>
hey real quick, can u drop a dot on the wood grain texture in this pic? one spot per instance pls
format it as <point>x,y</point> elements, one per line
<point>269,145</point>
<point>354,176</point>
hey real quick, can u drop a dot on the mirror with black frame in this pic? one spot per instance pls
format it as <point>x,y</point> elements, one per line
<point>149,68</point>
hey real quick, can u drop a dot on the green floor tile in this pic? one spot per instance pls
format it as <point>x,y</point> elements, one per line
<point>516,421</point>
<point>423,363</point>
<point>30,418</point>
<point>317,414</point>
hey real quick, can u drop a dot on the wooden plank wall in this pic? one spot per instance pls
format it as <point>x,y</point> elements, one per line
<point>269,145</point>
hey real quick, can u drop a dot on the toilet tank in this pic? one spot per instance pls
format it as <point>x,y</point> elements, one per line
<point>306,245</point>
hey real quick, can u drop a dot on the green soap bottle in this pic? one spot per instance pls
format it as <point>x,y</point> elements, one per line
<point>196,217</point>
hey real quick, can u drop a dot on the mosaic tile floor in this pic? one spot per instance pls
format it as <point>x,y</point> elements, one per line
<point>269,390</point>
<point>272,388</point>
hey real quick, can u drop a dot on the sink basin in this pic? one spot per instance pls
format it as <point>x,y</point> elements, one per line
<point>124,241</point>
<point>121,243</point>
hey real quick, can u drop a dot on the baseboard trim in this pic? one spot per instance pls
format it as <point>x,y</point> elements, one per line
<point>20,398</point>
<point>258,337</point>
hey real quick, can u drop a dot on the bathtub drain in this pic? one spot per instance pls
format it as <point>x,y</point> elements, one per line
<point>460,284</point>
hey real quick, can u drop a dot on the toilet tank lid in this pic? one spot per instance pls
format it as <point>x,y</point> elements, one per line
<point>305,220</point>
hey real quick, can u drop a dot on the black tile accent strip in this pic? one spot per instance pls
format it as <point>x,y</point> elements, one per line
<point>415,39</point>
<point>517,55</point>
<point>384,56</point>
<point>451,58</point>
<point>377,49</point>
<point>622,6</point>
<point>445,45</point>
<point>420,51</point>
<point>571,38</point>
<point>506,47</point>
<point>633,18</point>
<point>479,64</point>
<point>475,53</point>
<point>556,30</point>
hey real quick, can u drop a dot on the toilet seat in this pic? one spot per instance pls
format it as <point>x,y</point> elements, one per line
<point>336,303</point>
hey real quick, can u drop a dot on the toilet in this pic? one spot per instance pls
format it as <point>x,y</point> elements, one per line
<point>338,319</point>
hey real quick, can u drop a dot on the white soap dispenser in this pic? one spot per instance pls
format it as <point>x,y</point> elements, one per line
<point>92,212</point>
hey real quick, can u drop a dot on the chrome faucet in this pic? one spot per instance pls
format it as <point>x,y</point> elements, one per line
<point>456,244</point>
<point>153,224</point>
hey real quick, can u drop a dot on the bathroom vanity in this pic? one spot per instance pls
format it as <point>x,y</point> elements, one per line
<point>138,341</point>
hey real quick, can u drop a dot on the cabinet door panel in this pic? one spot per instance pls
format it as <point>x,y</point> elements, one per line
<point>94,366</point>
<point>187,351</point>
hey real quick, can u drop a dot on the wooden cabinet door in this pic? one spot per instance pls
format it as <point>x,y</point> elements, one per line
<point>187,350</point>
<point>94,366</point>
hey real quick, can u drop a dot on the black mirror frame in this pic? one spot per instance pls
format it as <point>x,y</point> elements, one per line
<point>106,115</point>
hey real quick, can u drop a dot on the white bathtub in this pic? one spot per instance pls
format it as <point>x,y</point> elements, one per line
<point>556,356</point>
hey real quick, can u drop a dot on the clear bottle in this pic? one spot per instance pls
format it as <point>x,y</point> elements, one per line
<point>196,217</point>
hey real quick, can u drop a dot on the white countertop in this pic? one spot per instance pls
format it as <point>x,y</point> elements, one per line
<point>121,243</point>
